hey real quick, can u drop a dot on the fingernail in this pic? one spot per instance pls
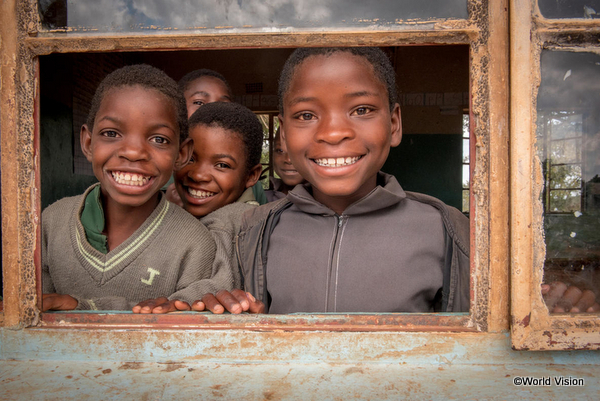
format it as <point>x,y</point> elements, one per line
<point>251,297</point>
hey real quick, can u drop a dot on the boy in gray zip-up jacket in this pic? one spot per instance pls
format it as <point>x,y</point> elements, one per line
<point>351,240</point>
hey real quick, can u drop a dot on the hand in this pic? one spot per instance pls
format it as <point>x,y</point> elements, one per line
<point>161,305</point>
<point>58,302</point>
<point>236,301</point>
<point>172,195</point>
<point>562,299</point>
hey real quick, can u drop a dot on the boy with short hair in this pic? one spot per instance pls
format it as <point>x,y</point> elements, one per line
<point>201,87</point>
<point>283,167</point>
<point>351,240</point>
<point>216,185</point>
<point>121,241</point>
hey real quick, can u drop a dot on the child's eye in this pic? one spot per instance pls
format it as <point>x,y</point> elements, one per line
<point>305,116</point>
<point>278,150</point>
<point>361,111</point>
<point>198,102</point>
<point>109,134</point>
<point>222,165</point>
<point>160,140</point>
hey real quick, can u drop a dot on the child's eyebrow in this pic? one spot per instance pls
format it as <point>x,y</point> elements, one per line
<point>297,100</point>
<point>224,156</point>
<point>360,94</point>
<point>119,121</point>
<point>203,93</point>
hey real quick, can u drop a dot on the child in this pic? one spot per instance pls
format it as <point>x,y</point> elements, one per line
<point>289,176</point>
<point>121,242</point>
<point>202,87</point>
<point>351,240</point>
<point>216,185</point>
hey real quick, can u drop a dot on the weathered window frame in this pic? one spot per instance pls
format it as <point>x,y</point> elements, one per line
<point>485,29</point>
<point>532,326</point>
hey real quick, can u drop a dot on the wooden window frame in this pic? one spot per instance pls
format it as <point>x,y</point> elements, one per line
<point>485,29</point>
<point>533,327</point>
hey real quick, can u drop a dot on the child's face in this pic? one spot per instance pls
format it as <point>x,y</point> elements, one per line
<point>203,90</point>
<point>338,127</point>
<point>283,166</point>
<point>217,174</point>
<point>134,145</point>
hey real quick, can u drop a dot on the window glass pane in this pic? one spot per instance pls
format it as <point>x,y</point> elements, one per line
<point>140,15</point>
<point>570,8</point>
<point>568,146</point>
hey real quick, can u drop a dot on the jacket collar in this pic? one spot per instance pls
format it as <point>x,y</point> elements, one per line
<point>388,192</point>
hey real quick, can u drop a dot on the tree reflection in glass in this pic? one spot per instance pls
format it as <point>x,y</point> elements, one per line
<point>568,145</point>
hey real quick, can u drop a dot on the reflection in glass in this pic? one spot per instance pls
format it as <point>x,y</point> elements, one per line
<point>140,15</point>
<point>570,8</point>
<point>568,146</point>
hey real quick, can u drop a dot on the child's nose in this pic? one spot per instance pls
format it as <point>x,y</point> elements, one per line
<point>134,148</point>
<point>198,174</point>
<point>334,129</point>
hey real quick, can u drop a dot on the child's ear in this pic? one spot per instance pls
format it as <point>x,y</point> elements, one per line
<point>253,175</point>
<point>396,126</point>
<point>85,139</point>
<point>281,133</point>
<point>185,153</point>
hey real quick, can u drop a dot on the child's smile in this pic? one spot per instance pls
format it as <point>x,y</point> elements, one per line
<point>338,127</point>
<point>133,146</point>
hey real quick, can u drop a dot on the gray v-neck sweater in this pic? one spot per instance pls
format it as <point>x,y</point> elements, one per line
<point>170,255</point>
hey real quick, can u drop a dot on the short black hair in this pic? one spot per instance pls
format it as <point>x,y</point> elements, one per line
<point>235,118</point>
<point>382,67</point>
<point>147,77</point>
<point>190,77</point>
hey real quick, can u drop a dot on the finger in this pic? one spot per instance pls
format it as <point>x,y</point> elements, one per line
<point>255,306</point>
<point>229,302</point>
<point>557,289</point>
<point>241,298</point>
<point>182,305</point>
<point>149,305</point>
<point>594,308</point>
<point>545,289</point>
<point>198,306</point>
<point>164,307</point>
<point>571,296</point>
<point>212,304</point>
<point>587,300</point>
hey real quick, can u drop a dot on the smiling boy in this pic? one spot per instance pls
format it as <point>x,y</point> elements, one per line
<point>122,242</point>
<point>351,240</point>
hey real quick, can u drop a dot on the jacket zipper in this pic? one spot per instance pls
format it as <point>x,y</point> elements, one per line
<point>333,266</point>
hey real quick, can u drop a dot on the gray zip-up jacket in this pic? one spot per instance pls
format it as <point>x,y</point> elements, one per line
<point>391,251</point>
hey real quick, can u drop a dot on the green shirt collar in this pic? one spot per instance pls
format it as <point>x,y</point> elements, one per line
<point>92,219</point>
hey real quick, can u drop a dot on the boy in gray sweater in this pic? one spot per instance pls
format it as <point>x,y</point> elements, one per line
<point>122,242</point>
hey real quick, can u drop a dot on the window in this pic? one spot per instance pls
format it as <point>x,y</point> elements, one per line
<point>454,40</point>
<point>554,220</point>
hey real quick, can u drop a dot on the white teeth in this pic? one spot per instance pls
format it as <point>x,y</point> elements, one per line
<point>137,180</point>
<point>338,162</point>
<point>199,194</point>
